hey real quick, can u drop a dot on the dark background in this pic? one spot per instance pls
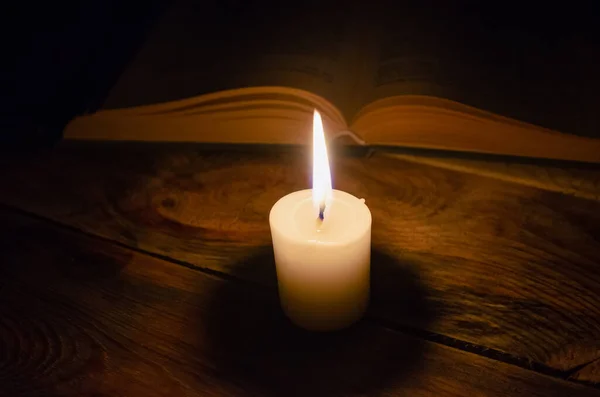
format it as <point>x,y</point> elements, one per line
<point>63,57</point>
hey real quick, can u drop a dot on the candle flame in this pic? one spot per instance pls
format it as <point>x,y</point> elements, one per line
<point>321,191</point>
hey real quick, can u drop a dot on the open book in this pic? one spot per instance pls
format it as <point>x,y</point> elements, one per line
<point>394,77</point>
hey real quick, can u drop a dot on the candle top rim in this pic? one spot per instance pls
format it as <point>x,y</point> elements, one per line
<point>349,226</point>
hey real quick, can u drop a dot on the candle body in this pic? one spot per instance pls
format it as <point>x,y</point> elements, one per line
<point>323,267</point>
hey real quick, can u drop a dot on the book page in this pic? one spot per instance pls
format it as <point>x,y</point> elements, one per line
<point>503,59</point>
<point>418,52</point>
<point>209,47</point>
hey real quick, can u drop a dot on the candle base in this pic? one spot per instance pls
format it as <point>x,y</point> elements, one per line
<point>324,316</point>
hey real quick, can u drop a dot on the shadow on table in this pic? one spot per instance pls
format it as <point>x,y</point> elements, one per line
<point>252,340</point>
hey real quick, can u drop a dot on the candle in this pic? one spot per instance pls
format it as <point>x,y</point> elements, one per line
<point>322,246</point>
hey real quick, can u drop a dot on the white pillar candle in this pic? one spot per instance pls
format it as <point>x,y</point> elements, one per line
<point>322,245</point>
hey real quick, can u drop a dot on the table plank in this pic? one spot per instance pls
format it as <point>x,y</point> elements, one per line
<point>590,373</point>
<point>580,180</point>
<point>82,317</point>
<point>500,265</point>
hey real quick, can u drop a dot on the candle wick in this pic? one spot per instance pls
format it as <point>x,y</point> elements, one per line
<point>322,211</point>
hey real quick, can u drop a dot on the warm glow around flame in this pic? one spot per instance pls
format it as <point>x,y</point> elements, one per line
<point>321,191</point>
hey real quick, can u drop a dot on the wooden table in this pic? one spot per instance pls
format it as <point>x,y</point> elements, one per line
<point>147,270</point>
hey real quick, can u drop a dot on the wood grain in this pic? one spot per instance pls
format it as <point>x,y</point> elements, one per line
<point>500,265</point>
<point>573,179</point>
<point>84,317</point>
<point>589,373</point>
